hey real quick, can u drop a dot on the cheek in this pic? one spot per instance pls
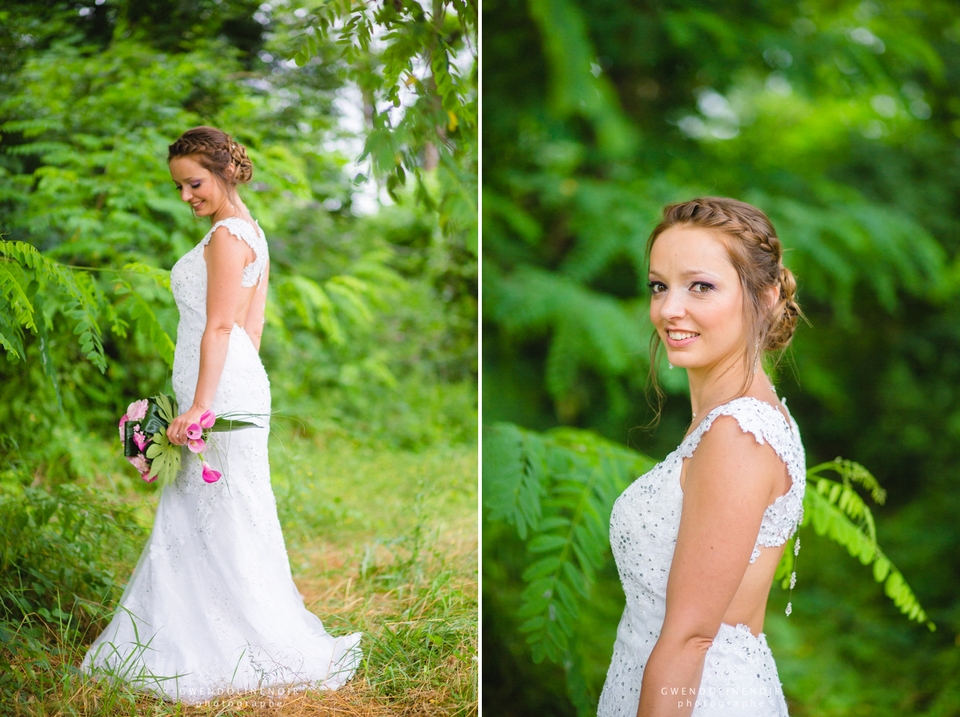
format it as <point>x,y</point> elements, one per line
<point>725,316</point>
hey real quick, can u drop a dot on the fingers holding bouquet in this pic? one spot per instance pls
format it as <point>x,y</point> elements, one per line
<point>187,428</point>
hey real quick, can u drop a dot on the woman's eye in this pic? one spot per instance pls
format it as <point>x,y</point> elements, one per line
<point>196,186</point>
<point>656,287</point>
<point>702,287</point>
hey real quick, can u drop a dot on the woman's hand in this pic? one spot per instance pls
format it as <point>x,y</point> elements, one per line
<point>177,431</point>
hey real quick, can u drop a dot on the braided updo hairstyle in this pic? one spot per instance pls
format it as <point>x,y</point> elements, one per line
<point>756,253</point>
<point>215,151</point>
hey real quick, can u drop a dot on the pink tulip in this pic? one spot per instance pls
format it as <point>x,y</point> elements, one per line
<point>208,419</point>
<point>194,431</point>
<point>196,445</point>
<point>210,475</point>
<point>147,478</point>
<point>122,421</point>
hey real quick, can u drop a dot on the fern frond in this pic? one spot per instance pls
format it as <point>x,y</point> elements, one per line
<point>513,471</point>
<point>312,304</point>
<point>852,472</point>
<point>160,276</point>
<point>838,513</point>
<point>11,337</point>
<point>590,329</point>
<point>560,486</point>
<point>832,521</point>
<point>84,298</point>
<point>145,318</point>
<point>13,294</point>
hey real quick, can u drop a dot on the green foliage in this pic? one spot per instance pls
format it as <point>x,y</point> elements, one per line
<point>556,489</point>
<point>417,70</point>
<point>72,294</point>
<point>57,551</point>
<point>838,512</point>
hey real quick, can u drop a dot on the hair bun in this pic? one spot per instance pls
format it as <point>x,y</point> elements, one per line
<point>243,167</point>
<point>786,313</point>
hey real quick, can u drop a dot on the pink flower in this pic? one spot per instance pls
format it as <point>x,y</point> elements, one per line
<point>147,478</point>
<point>137,410</point>
<point>196,445</point>
<point>208,419</point>
<point>140,463</point>
<point>194,432</point>
<point>122,421</point>
<point>210,475</point>
<point>140,438</point>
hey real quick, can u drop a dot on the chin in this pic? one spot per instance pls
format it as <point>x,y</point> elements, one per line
<point>683,361</point>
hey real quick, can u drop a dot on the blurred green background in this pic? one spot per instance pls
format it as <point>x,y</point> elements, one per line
<point>839,119</point>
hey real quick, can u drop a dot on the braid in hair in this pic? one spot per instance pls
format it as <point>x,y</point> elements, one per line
<point>216,151</point>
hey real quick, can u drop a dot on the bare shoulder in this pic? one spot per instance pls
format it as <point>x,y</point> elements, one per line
<point>730,457</point>
<point>225,242</point>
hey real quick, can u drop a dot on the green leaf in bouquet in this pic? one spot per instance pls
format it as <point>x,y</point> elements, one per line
<point>167,407</point>
<point>235,421</point>
<point>165,459</point>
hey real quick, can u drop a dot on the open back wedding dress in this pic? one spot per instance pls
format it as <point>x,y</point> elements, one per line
<point>212,608</point>
<point>739,675</point>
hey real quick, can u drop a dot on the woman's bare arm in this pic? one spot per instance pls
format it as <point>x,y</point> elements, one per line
<point>730,481</point>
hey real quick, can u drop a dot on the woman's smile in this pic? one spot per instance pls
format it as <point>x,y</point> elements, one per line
<point>680,338</point>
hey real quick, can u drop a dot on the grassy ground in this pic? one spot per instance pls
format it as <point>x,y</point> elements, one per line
<point>381,541</point>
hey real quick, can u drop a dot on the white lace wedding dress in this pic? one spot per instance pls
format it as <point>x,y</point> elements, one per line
<point>739,675</point>
<point>212,609</point>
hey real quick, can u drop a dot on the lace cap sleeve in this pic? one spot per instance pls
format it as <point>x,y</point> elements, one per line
<point>758,418</point>
<point>245,231</point>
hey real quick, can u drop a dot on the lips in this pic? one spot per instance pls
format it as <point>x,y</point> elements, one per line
<point>677,339</point>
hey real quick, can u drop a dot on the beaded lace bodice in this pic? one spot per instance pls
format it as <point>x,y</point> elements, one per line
<point>188,281</point>
<point>644,524</point>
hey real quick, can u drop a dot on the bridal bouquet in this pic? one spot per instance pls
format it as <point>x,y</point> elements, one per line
<point>143,430</point>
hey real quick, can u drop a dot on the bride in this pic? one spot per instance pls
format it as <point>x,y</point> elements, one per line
<point>697,540</point>
<point>212,608</point>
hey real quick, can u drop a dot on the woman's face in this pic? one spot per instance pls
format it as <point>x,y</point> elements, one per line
<point>197,186</point>
<point>697,300</point>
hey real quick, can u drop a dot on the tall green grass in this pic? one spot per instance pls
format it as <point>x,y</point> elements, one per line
<point>381,540</point>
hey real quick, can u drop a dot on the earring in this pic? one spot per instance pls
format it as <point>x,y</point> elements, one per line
<point>669,365</point>
<point>756,362</point>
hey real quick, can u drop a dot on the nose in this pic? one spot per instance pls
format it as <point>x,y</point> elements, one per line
<point>185,194</point>
<point>672,305</point>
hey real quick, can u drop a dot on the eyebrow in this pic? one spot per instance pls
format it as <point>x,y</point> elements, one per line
<point>689,273</point>
<point>188,179</point>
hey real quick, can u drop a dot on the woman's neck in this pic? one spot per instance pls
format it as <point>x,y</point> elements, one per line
<point>230,207</point>
<point>714,386</point>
